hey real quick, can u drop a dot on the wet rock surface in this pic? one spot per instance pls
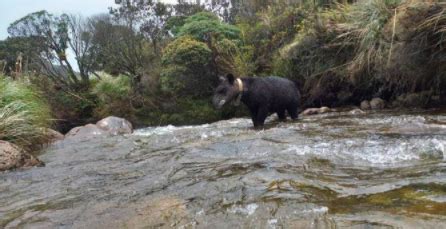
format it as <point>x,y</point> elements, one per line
<point>325,171</point>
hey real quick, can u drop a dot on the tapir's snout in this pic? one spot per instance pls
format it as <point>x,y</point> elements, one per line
<point>218,103</point>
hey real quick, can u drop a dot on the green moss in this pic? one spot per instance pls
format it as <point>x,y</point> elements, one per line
<point>412,198</point>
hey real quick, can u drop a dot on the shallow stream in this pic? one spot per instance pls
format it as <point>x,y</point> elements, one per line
<point>379,170</point>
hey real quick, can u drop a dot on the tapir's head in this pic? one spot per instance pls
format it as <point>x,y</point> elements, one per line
<point>225,92</point>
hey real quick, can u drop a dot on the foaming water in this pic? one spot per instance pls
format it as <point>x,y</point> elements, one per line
<point>335,170</point>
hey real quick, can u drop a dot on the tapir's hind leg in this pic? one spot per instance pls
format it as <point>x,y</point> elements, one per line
<point>292,111</point>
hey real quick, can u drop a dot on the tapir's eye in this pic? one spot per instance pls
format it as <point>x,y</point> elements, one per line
<point>221,91</point>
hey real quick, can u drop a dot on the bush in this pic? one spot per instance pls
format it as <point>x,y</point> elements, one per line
<point>114,95</point>
<point>187,68</point>
<point>24,115</point>
<point>204,24</point>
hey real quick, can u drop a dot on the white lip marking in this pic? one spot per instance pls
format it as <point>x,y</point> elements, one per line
<point>221,103</point>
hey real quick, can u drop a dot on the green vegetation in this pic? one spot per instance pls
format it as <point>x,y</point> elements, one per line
<point>24,114</point>
<point>157,64</point>
<point>114,97</point>
<point>186,68</point>
<point>371,48</point>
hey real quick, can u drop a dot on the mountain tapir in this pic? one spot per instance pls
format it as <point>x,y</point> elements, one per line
<point>262,95</point>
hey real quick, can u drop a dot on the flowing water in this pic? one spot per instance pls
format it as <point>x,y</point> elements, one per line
<point>379,170</point>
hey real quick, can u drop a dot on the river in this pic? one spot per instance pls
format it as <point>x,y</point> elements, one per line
<point>379,170</point>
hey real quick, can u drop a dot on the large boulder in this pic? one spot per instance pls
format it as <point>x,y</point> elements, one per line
<point>12,157</point>
<point>115,125</point>
<point>107,126</point>
<point>85,132</point>
<point>377,104</point>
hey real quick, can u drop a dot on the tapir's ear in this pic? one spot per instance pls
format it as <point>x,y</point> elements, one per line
<point>230,78</point>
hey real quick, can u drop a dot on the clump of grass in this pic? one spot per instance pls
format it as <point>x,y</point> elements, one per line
<point>24,114</point>
<point>114,97</point>
<point>379,48</point>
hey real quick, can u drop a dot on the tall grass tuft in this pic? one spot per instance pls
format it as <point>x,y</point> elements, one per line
<point>24,115</point>
<point>384,48</point>
<point>115,97</point>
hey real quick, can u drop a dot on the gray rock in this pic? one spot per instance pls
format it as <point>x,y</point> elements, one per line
<point>115,125</point>
<point>84,132</point>
<point>13,157</point>
<point>377,104</point>
<point>365,105</point>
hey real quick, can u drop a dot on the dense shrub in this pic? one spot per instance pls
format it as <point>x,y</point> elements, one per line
<point>205,24</point>
<point>187,68</point>
<point>24,114</point>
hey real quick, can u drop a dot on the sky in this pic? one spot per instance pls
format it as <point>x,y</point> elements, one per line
<point>11,10</point>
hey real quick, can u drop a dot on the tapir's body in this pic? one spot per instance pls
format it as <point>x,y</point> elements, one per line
<point>261,95</point>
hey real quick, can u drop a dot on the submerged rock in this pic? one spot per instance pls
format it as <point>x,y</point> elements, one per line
<point>377,104</point>
<point>115,125</point>
<point>12,157</point>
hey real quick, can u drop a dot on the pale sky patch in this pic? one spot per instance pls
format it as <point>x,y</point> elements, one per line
<point>12,10</point>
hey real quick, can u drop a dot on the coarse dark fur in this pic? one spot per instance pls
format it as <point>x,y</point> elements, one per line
<point>261,95</point>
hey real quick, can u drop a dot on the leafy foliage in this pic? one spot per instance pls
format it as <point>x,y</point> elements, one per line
<point>205,25</point>
<point>186,69</point>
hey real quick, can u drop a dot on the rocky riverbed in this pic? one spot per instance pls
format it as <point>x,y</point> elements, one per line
<point>375,170</point>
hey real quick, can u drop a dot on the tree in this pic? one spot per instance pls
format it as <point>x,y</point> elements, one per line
<point>81,32</point>
<point>29,47</point>
<point>57,34</point>
<point>204,48</point>
<point>146,17</point>
<point>121,50</point>
<point>203,25</point>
